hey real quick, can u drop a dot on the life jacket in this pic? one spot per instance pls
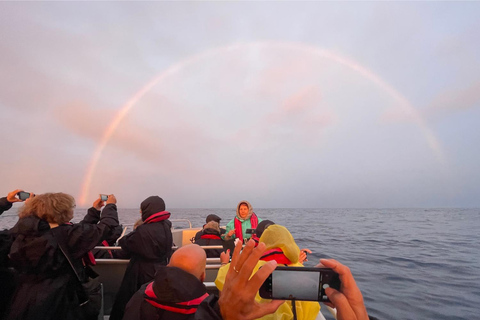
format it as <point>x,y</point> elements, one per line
<point>210,236</point>
<point>238,225</point>
<point>159,216</point>
<point>184,307</point>
<point>277,255</point>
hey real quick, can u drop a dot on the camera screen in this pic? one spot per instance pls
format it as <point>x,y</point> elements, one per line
<point>299,285</point>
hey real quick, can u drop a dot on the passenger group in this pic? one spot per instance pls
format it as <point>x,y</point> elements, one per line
<point>45,265</point>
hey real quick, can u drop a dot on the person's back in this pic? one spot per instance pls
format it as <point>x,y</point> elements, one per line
<point>47,286</point>
<point>149,247</point>
<point>176,291</point>
<point>210,236</point>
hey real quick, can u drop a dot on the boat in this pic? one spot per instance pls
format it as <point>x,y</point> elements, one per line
<point>111,271</point>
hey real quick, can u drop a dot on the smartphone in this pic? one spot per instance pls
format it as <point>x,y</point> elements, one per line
<point>22,195</point>
<point>298,283</point>
<point>103,197</point>
<point>250,231</point>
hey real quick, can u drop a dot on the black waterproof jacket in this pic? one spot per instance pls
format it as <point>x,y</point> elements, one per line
<point>149,247</point>
<point>210,237</point>
<point>6,274</point>
<point>47,287</point>
<point>177,296</point>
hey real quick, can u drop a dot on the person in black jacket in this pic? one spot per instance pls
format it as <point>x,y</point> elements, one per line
<point>149,247</point>
<point>177,290</point>
<point>48,286</point>
<point>6,273</point>
<point>210,217</point>
<point>211,237</point>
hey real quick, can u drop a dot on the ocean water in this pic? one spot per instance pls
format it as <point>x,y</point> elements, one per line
<point>408,263</point>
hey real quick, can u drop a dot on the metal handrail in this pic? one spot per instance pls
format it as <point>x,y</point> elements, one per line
<point>174,247</point>
<point>182,220</point>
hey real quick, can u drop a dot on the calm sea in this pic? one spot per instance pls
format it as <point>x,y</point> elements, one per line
<point>409,263</point>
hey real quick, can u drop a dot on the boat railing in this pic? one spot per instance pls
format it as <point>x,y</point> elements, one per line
<point>173,247</point>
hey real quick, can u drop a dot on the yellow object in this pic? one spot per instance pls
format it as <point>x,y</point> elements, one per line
<point>276,236</point>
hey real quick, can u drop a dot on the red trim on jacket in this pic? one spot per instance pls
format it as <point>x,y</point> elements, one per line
<point>210,236</point>
<point>277,255</point>
<point>186,307</point>
<point>159,216</point>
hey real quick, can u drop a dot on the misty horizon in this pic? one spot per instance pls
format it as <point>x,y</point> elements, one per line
<point>285,104</point>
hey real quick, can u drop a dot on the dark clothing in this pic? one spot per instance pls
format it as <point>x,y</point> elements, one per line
<point>4,205</point>
<point>199,233</point>
<point>6,274</point>
<point>209,309</point>
<point>93,217</point>
<point>47,286</point>
<point>150,246</point>
<point>210,237</point>
<point>166,298</point>
<point>151,205</point>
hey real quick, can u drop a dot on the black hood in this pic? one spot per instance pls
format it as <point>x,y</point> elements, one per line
<point>152,205</point>
<point>174,285</point>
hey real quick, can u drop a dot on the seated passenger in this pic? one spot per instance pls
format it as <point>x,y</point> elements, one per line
<point>176,291</point>
<point>259,230</point>
<point>280,247</point>
<point>245,221</point>
<point>210,217</point>
<point>149,247</point>
<point>211,237</point>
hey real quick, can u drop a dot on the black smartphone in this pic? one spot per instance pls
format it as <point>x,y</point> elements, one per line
<point>22,195</point>
<point>250,231</point>
<point>103,197</point>
<point>298,283</point>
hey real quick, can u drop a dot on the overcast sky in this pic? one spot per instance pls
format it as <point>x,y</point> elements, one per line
<point>284,104</point>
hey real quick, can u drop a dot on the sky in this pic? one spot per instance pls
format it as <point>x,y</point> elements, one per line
<point>284,104</point>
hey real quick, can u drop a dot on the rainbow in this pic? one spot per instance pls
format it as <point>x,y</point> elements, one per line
<point>399,98</point>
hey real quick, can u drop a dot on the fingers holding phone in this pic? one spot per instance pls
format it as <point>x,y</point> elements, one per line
<point>111,199</point>
<point>304,255</point>
<point>12,196</point>
<point>100,202</point>
<point>348,299</point>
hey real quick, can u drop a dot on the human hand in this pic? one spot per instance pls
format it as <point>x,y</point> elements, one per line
<point>32,195</point>
<point>98,204</point>
<point>237,299</point>
<point>12,196</point>
<point>225,257</point>
<point>349,300</point>
<point>303,255</point>
<point>111,199</point>
<point>231,233</point>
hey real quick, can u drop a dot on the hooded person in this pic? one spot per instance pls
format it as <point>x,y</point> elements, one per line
<point>245,220</point>
<point>210,217</point>
<point>176,291</point>
<point>211,237</point>
<point>281,247</point>
<point>149,246</point>
<point>259,230</point>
